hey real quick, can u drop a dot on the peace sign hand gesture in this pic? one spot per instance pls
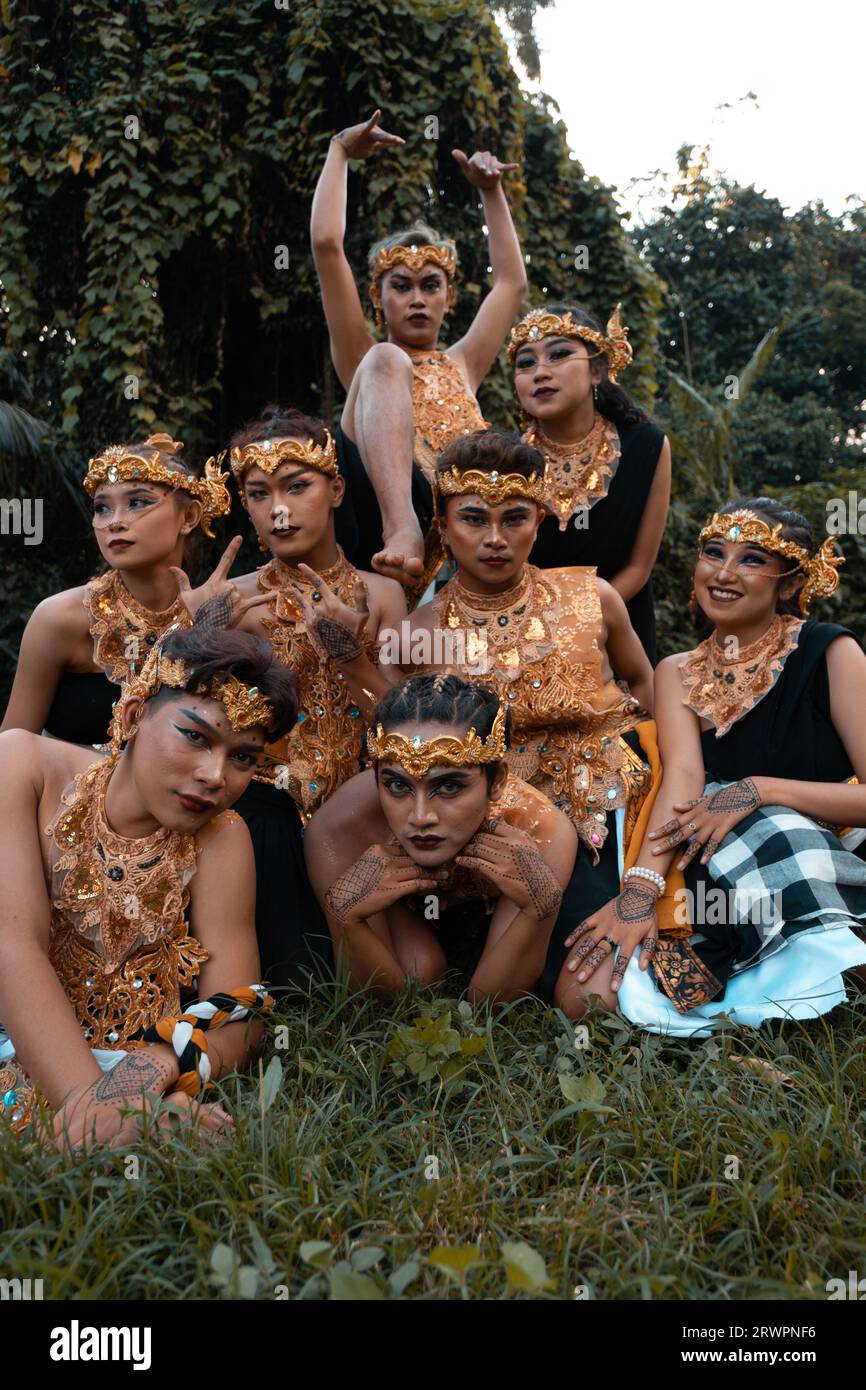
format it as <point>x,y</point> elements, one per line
<point>483,170</point>
<point>362,141</point>
<point>334,627</point>
<point>217,603</point>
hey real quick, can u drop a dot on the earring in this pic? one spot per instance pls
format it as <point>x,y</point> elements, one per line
<point>263,547</point>
<point>595,393</point>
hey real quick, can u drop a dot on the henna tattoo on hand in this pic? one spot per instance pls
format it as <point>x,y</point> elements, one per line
<point>635,903</point>
<point>215,613</point>
<point>648,946</point>
<point>339,643</point>
<point>711,846</point>
<point>129,1078</point>
<point>621,965</point>
<point>739,796</point>
<point>355,884</point>
<point>540,880</point>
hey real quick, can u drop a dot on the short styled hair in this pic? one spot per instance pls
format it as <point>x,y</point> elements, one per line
<point>227,653</point>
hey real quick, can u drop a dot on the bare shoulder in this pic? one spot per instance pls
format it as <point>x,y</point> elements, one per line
<point>225,837</point>
<point>348,822</point>
<point>846,658</point>
<point>424,618</point>
<point>32,762</point>
<point>61,616</point>
<point>670,665</point>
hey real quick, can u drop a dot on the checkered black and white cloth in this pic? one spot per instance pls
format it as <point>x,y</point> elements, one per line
<point>784,875</point>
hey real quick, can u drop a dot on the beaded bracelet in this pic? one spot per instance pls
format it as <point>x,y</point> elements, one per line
<point>186,1032</point>
<point>650,875</point>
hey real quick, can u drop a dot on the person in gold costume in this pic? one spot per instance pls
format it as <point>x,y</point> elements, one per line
<point>746,884</point>
<point>437,844</point>
<point>321,616</point>
<point>609,463</point>
<point>406,398</point>
<point>80,645</point>
<point>548,642</point>
<point>125,881</point>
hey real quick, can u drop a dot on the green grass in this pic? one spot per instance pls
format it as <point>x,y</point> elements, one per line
<point>608,1161</point>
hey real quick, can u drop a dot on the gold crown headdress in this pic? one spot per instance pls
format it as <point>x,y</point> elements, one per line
<point>418,755</point>
<point>245,705</point>
<point>743,527</point>
<point>415,257</point>
<point>494,487</point>
<point>541,323</point>
<point>269,454</point>
<point>117,464</point>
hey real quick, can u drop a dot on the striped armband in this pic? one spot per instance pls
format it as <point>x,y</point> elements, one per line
<point>187,1032</point>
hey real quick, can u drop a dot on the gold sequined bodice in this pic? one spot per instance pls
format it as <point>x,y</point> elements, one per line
<point>119,940</point>
<point>538,646</point>
<point>443,406</point>
<point>123,631</point>
<point>323,749</point>
<point>118,937</point>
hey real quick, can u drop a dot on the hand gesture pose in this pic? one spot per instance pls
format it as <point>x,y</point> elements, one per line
<point>509,859</point>
<point>337,629</point>
<point>483,170</point>
<point>704,822</point>
<point>216,603</point>
<point>382,876</point>
<point>362,141</point>
<point>627,921</point>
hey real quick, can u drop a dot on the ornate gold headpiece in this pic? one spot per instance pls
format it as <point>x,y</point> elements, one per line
<point>269,454</point>
<point>493,487</point>
<point>415,257</point>
<point>418,755</point>
<point>541,323</point>
<point>245,706</point>
<point>116,464</point>
<point>821,569</point>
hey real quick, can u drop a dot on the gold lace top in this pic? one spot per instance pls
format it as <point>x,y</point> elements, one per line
<point>537,645</point>
<point>581,473</point>
<point>324,747</point>
<point>118,937</point>
<point>723,685</point>
<point>123,631</point>
<point>443,407</point>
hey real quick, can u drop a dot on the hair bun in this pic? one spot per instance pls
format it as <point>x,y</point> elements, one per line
<point>164,443</point>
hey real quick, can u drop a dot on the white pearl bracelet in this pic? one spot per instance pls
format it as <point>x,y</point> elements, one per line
<point>649,874</point>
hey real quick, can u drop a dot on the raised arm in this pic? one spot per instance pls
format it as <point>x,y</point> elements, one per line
<point>344,313</point>
<point>477,349</point>
<point>624,647</point>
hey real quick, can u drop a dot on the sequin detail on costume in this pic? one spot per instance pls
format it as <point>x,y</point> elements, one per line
<point>123,631</point>
<point>324,748</point>
<point>118,941</point>
<point>580,474</point>
<point>724,689</point>
<point>442,405</point>
<point>537,645</point>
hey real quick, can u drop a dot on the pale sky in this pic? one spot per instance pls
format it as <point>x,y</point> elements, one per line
<point>638,78</point>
